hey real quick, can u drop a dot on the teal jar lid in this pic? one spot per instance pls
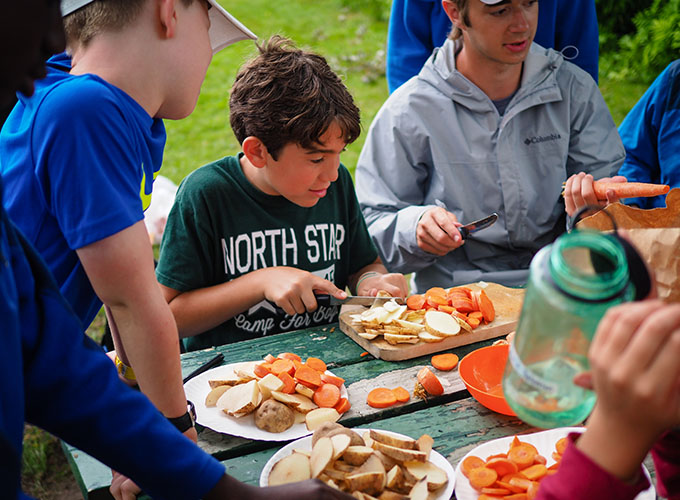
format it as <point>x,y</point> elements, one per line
<point>589,265</point>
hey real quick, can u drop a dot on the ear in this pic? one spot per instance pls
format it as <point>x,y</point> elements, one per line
<point>453,13</point>
<point>255,151</point>
<point>167,17</point>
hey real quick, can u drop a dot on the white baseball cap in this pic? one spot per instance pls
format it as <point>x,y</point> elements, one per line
<point>491,2</point>
<point>225,29</point>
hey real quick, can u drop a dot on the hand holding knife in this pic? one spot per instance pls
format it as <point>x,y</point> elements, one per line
<point>474,226</point>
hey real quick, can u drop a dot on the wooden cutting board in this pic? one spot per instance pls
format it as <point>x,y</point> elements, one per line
<point>507,303</point>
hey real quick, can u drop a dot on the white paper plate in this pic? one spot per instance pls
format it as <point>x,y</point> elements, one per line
<point>305,443</point>
<point>198,388</point>
<point>544,442</point>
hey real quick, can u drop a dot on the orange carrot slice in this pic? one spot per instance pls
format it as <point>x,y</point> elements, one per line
<point>415,302</point>
<point>283,366</point>
<point>317,364</point>
<point>308,376</point>
<point>288,382</point>
<point>482,477</point>
<point>332,379</point>
<point>381,397</point>
<point>486,307</point>
<point>401,394</point>
<point>444,362</point>
<point>289,355</point>
<point>327,396</point>
<point>471,462</point>
<point>430,382</point>
<point>342,406</point>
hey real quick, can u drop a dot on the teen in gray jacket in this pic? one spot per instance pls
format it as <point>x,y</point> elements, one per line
<point>493,123</point>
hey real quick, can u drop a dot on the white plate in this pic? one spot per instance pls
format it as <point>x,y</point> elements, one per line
<point>305,443</point>
<point>198,388</point>
<point>544,442</point>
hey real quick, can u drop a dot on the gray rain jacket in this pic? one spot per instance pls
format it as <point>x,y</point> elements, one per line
<point>439,139</point>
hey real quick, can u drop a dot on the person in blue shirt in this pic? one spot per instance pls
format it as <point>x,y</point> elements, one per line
<point>651,135</point>
<point>418,26</point>
<point>52,375</point>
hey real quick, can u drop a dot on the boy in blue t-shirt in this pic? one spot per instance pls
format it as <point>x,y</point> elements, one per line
<point>280,220</point>
<point>78,159</point>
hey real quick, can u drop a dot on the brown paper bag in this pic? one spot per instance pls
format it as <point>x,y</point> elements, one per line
<point>656,235</point>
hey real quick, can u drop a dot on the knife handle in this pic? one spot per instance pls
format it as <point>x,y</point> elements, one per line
<point>322,299</point>
<point>464,233</point>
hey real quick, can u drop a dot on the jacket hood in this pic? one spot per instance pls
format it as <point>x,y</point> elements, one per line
<point>440,71</point>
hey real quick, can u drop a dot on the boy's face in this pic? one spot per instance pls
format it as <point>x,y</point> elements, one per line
<point>30,32</point>
<point>501,33</point>
<point>303,175</point>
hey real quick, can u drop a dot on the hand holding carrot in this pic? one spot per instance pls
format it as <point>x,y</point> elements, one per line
<point>579,191</point>
<point>293,289</point>
<point>437,231</point>
<point>636,375</point>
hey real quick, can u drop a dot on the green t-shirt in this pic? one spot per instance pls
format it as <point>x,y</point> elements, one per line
<point>221,227</point>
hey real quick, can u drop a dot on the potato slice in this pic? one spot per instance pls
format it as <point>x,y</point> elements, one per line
<point>357,455</point>
<point>368,336</point>
<point>395,479</point>
<point>304,390</point>
<point>317,417</point>
<point>322,454</point>
<point>299,417</point>
<point>343,466</point>
<point>290,469</point>
<point>399,453</point>
<point>424,443</point>
<point>372,464</point>
<point>241,399</point>
<point>268,384</point>
<point>340,444</point>
<point>435,477</point>
<point>372,483</point>
<point>392,495</point>
<point>325,430</point>
<point>426,336</point>
<point>409,326</point>
<point>215,394</point>
<point>394,338</point>
<point>392,440</point>
<point>246,371</point>
<point>441,324</point>
<point>231,381</point>
<point>296,401</point>
<point>419,490</point>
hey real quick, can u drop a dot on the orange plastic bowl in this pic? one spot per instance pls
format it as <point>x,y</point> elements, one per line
<point>482,372</point>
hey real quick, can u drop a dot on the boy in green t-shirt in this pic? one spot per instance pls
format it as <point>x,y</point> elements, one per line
<point>278,221</point>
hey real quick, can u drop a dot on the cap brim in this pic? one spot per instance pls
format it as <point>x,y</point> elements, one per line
<point>225,29</point>
<point>491,2</point>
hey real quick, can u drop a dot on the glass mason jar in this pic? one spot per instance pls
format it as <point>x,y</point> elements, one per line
<point>572,283</point>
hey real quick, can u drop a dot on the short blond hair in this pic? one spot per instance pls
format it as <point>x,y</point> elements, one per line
<point>101,16</point>
<point>463,8</point>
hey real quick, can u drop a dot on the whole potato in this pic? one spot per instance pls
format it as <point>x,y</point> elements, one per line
<point>273,416</point>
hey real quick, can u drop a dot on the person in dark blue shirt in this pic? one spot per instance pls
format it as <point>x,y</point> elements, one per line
<point>418,26</point>
<point>651,135</point>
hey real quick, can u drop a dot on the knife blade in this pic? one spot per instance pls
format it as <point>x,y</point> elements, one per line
<point>329,300</point>
<point>477,225</point>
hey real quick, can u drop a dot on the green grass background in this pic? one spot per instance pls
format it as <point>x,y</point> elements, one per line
<point>354,44</point>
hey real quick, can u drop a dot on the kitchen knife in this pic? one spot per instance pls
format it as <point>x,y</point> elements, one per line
<point>477,225</point>
<point>329,300</point>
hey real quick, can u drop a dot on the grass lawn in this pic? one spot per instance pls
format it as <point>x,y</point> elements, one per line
<point>354,44</point>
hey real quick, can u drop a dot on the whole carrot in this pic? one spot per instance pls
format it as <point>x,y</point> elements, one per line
<point>629,189</point>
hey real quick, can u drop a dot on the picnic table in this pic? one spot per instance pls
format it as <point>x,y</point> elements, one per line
<point>455,420</point>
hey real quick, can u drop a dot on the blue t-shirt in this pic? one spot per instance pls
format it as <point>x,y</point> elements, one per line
<point>78,159</point>
<point>53,376</point>
<point>651,136</point>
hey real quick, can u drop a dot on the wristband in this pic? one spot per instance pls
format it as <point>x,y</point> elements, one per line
<point>124,370</point>
<point>368,274</point>
<point>186,421</point>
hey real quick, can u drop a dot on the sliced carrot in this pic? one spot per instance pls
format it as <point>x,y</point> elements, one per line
<point>269,359</point>
<point>488,497</point>
<point>435,291</point>
<point>332,379</point>
<point>473,322</point>
<point>515,442</point>
<point>365,353</point>
<point>436,301</point>
<point>476,314</point>
<point>502,466</point>
<point>514,489</point>
<point>289,355</point>
<point>462,291</point>
<point>283,366</point>
<point>415,301</point>
<point>496,492</point>
<point>463,305</point>
<point>401,394</point>
<point>460,315</point>
<point>556,456</point>
<point>288,382</point>
<point>535,472</point>
<point>508,477</point>
<point>497,455</point>
<point>444,362</point>
<point>262,370</point>
<point>540,459</point>
<point>474,296</point>
<point>533,490</point>
<point>342,406</point>
<point>516,496</point>
<point>471,462</point>
<point>317,364</point>
<point>520,482</point>
<point>381,397</point>
<point>523,455</point>
<point>554,467</point>
<point>446,309</point>
<point>628,189</point>
<point>327,396</point>
<point>297,365</point>
<point>486,306</point>
<point>308,376</point>
<point>430,382</point>
<point>482,477</point>
<point>561,445</point>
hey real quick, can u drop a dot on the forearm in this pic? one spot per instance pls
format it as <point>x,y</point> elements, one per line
<point>374,268</point>
<point>199,310</point>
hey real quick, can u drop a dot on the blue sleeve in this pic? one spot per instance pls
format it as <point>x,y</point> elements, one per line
<point>86,162</point>
<point>576,25</point>
<point>416,27</point>
<point>639,132</point>
<point>72,390</point>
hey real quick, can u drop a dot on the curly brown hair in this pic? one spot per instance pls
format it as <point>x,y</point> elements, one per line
<point>99,16</point>
<point>287,95</point>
